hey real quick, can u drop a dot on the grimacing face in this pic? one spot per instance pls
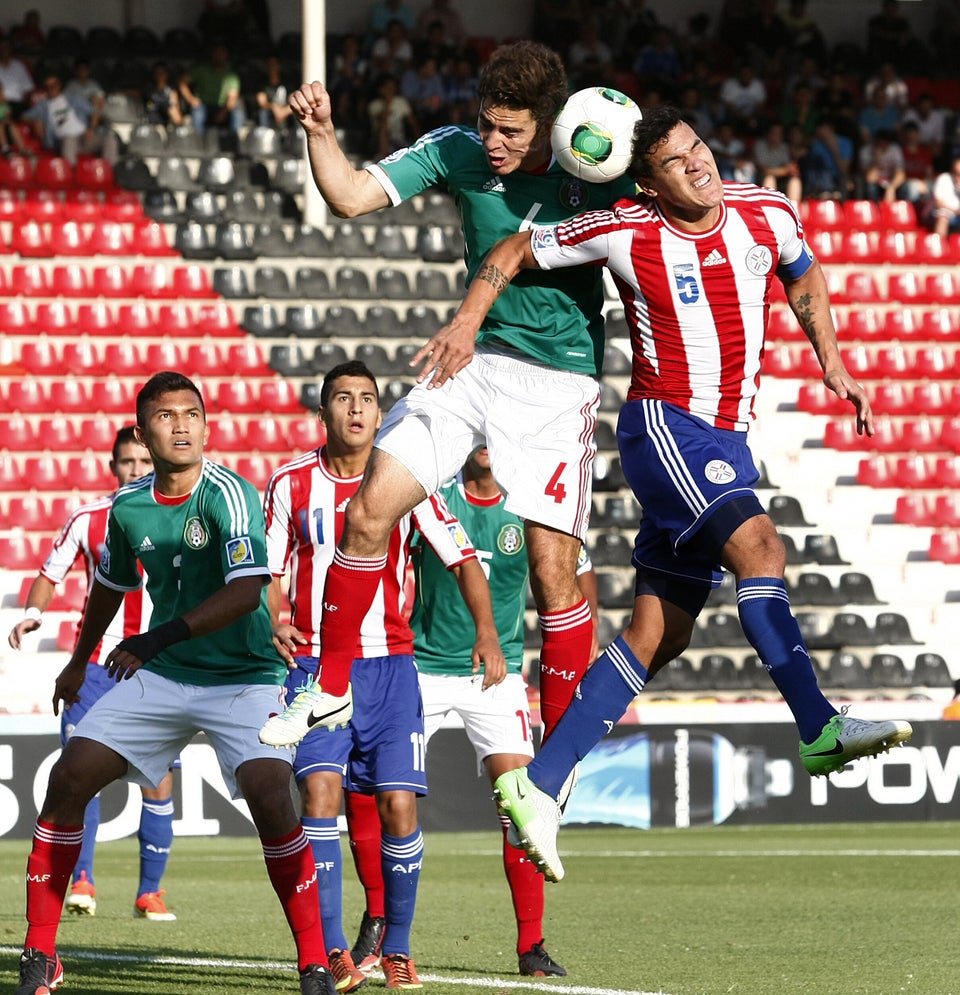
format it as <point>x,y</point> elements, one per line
<point>511,139</point>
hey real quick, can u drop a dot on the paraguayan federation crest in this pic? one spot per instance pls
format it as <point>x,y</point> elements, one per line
<point>510,540</point>
<point>194,534</point>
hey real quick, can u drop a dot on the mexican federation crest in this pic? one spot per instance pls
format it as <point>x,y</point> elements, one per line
<point>194,534</point>
<point>510,539</point>
<point>573,194</point>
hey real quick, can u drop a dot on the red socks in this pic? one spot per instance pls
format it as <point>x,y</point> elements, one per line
<point>52,858</point>
<point>567,639</point>
<point>348,593</point>
<point>293,875</point>
<point>363,822</point>
<point>526,891</point>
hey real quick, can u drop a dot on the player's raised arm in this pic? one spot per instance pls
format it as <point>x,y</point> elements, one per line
<point>809,300</point>
<point>451,349</point>
<point>348,192</point>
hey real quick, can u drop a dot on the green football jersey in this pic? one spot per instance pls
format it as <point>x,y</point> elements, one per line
<point>189,550</point>
<point>551,316</point>
<point>443,629</point>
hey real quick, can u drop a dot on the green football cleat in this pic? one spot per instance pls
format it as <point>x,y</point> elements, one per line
<point>536,816</point>
<point>845,739</point>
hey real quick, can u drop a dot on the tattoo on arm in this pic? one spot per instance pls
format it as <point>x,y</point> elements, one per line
<point>805,315</point>
<point>493,276</point>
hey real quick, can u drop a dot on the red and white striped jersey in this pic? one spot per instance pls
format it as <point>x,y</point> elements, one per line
<point>304,505</point>
<point>696,304</point>
<point>84,535</point>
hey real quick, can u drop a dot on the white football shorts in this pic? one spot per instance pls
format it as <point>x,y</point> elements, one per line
<point>149,719</point>
<point>536,422</point>
<point>496,720</point>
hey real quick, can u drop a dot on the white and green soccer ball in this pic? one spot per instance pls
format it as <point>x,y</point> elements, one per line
<point>593,133</point>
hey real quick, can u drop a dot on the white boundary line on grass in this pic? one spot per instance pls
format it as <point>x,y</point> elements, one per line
<point>531,986</point>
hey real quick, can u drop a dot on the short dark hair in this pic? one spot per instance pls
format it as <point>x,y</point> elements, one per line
<point>124,436</point>
<point>351,368</point>
<point>649,134</point>
<point>524,75</point>
<point>164,382</point>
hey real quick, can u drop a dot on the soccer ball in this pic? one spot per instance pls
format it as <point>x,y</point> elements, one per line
<point>593,133</point>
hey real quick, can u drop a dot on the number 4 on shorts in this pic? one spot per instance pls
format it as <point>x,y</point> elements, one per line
<point>554,488</point>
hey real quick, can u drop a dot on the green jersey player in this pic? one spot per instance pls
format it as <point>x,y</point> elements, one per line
<point>207,664</point>
<point>525,387</point>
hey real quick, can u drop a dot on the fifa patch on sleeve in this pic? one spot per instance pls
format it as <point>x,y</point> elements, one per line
<point>460,538</point>
<point>239,551</point>
<point>544,238</point>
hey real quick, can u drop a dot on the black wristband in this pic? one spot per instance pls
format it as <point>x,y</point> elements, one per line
<point>148,644</point>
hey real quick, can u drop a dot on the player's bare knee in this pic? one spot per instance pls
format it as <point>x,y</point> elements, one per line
<point>756,550</point>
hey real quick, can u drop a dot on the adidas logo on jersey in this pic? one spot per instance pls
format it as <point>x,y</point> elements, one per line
<point>342,506</point>
<point>495,185</point>
<point>714,259</point>
<point>146,546</point>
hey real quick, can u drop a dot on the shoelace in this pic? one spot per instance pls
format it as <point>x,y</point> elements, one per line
<point>303,701</point>
<point>400,968</point>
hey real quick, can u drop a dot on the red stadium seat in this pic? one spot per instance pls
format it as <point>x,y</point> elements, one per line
<point>933,362</point>
<point>826,244</point>
<point>110,238</point>
<point>885,438</point>
<point>946,472</point>
<point>913,509</point>
<point>59,434</point>
<point>82,358</point>
<point>123,359</point>
<point>863,214</point>
<point>820,214</point>
<point>11,474</point>
<point>136,319</point>
<point>90,472</point>
<point>942,287</point>
<point>204,359</point>
<point>53,173</point>
<point>306,433</point>
<point>165,354</point>
<point>875,471</point>
<point>84,206</point>
<point>863,324</point>
<point>896,248</point>
<point>920,434</point>
<point>227,435</point>
<point>30,240</point>
<point>70,396</point>
<point>29,512</point>
<point>841,434</point>
<point>891,398</point>
<point>816,399</point>
<point>940,323</point>
<point>192,281</point>
<point>113,396</point>
<point>40,356</point>
<point>43,473</point>
<point>176,319</point>
<point>16,172</point>
<point>946,511</point>
<point>257,468</point>
<point>149,238</point>
<point>93,173</point>
<point>931,397</point>
<point>901,324</point>
<point>71,280</point>
<point>67,238</point>
<point>906,287</point>
<point>245,359</point>
<point>98,432</point>
<point>17,433</point>
<point>898,214</point>
<point>893,361</point>
<point>913,472</point>
<point>95,318</point>
<point>27,395</point>
<point>122,205</point>
<point>11,209</point>
<point>54,317</point>
<point>217,319</point>
<point>62,506</point>
<point>112,280</point>
<point>859,361</point>
<point>153,280</point>
<point>950,434</point>
<point>267,435</point>
<point>860,287</point>
<point>236,396</point>
<point>18,552</point>
<point>783,326</point>
<point>15,318</point>
<point>932,249</point>
<point>42,205</point>
<point>857,246</point>
<point>944,547</point>
<point>279,397</point>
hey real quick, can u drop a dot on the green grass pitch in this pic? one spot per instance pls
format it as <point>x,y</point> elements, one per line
<point>783,910</point>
